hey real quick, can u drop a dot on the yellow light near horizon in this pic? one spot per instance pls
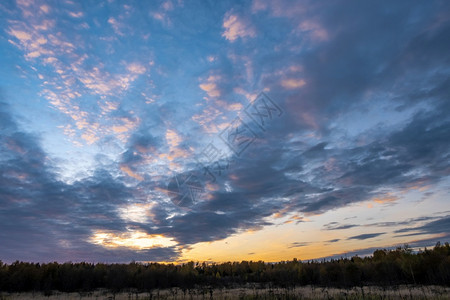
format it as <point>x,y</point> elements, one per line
<point>136,240</point>
<point>269,244</point>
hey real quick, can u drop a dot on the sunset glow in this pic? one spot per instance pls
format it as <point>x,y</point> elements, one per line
<point>171,131</point>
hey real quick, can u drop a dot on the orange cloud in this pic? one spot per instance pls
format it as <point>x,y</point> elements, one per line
<point>89,137</point>
<point>172,138</point>
<point>386,198</point>
<point>119,129</point>
<point>130,173</point>
<point>208,119</point>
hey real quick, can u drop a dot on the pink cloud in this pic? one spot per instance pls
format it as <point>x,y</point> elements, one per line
<point>136,68</point>
<point>22,36</point>
<point>280,8</point>
<point>210,86</point>
<point>45,8</point>
<point>115,25</point>
<point>315,30</point>
<point>236,27</point>
<point>76,14</point>
<point>292,83</point>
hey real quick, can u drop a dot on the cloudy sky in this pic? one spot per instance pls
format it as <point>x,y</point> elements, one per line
<point>222,130</point>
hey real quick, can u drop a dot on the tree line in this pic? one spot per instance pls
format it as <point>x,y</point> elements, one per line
<point>384,267</point>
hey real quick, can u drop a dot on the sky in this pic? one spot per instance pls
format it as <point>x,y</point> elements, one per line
<point>172,131</point>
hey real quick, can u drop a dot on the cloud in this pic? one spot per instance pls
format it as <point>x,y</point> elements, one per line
<point>283,8</point>
<point>236,27</point>
<point>75,73</point>
<point>131,240</point>
<point>136,68</point>
<point>434,227</point>
<point>298,245</point>
<point>20,35</point>
<point>76,14</point>
<point>319,172</point>
<point>210,86</point>
<point>75,213</point>
<point>337,226</point>
<point>254,186</point>
<point>333,241</point>
<point>45,8</point>
<point>314,29</point>
<point>292,83</point>
<point>116,25</point>
<point>130,173</point>
<point>365,236</point>
<point>162,13</point>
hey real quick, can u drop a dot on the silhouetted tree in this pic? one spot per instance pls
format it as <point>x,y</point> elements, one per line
<point>385,267</point>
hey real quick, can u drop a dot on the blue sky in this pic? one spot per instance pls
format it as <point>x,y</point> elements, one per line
<point>222,130</point>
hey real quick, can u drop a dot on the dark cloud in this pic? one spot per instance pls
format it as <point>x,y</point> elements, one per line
<point>372,49</point>
<point>337,226</point>
<point>367,52</point>
<point>265,173</point>
<point>141,142</point>
<point>43,218</point>
<point>315,151</point>
<point>439,226</point>
<point>365,236</point>
<point>408,222</point>
<point>298,244</point>
<point>333,241</point>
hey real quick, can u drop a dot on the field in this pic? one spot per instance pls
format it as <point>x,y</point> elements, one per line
<point>306,292</point>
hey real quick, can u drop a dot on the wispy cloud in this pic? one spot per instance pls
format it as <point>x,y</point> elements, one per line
<point>73,77</point>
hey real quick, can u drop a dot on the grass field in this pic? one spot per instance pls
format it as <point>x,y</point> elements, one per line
<point>307,292</point>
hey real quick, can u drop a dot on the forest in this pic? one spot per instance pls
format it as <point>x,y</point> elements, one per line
<point>383,268</point>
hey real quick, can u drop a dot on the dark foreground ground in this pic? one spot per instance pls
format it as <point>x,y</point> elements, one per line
<point>306,292</point>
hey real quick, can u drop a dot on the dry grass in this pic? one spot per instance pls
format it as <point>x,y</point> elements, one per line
<point>308,292</point>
